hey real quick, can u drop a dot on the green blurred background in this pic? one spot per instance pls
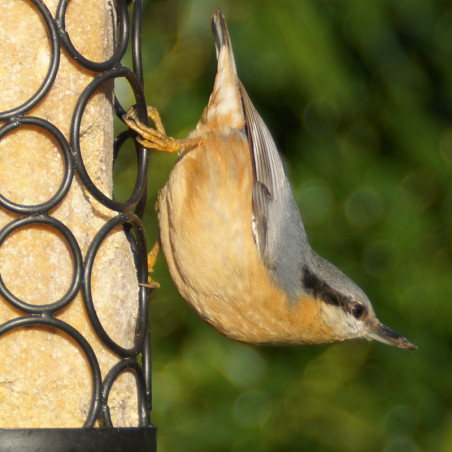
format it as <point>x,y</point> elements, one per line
<point>358,96</point>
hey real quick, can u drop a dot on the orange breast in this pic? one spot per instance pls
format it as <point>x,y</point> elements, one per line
<point>205,218</point>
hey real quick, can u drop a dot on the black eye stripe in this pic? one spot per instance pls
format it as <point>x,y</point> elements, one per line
<point>321,290</point>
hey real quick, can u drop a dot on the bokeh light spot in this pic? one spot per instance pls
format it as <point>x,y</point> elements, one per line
<point>364,207</point>
<point>402,445</point>
<point>251,408</point>
<point>400,423</point>
<point>418,303</point>
<point>420,187</point>
<point>244,366</point>
<point>380,258</point>
<point>315,198</point>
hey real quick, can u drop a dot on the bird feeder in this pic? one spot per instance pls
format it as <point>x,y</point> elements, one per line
<point>74,339</point>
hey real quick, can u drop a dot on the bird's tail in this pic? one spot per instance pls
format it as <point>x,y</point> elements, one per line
<point>221,35</point>
<point>225,104</point>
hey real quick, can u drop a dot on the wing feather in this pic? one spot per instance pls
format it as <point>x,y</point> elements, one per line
<point>270,178</point>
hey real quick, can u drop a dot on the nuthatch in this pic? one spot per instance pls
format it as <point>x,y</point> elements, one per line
<point>233,236</point>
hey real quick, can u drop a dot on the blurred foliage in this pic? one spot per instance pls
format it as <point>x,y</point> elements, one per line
<point>358,96</point>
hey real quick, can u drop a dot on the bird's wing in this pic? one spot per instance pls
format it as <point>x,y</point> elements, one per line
<point>270,179</point>
<point>277,225</point>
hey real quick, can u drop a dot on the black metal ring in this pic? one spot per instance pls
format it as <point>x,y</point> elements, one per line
<point>147,367</point>
<point>143,154</point>
<point>121,47</point>
<point>68,165</point>
<point>113,374</point>
<point>117,145</point>
<point>76,255</point>
<point>140,329</point>
<point>53,66</point>
<point>137,64</point>
<point>81,341</point>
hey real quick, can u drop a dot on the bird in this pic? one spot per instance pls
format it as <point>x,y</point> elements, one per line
<point>233,236</point>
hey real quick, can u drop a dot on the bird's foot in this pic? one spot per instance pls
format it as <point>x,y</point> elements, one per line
<point>155,138</point>
<point>152,257</point>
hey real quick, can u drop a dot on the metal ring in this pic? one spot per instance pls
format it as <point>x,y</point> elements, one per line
<point>76,255</point>
<point>68,166</point>
<point>80,340</point>
<point>113,374</point>
<point>53,66</point>
<point>143,154</point>
<point>140,329</point>
<point>121,47</point>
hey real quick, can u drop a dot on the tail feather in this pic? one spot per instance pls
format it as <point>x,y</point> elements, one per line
<point>221,35</point>
<point>225,105</point>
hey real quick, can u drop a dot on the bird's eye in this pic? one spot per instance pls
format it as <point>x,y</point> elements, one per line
<point>358,310</point>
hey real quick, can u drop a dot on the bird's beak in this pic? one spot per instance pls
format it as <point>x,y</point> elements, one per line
<point>382,333</point>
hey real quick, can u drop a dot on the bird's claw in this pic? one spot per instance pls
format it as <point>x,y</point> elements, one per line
<point>156,138</point>
<point>149,137</point>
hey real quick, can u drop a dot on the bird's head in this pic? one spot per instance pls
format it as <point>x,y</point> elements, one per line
<point>344,307</point>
